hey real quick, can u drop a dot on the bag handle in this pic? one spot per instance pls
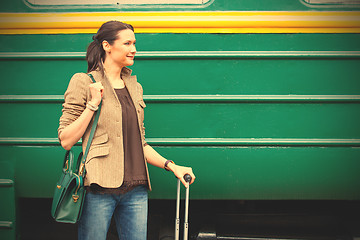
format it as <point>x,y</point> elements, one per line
<point>78,162</point>
<point>68,161</point>
<point>92,132</point>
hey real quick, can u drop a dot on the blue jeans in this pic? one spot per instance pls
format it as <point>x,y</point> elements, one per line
<point>130,214</point>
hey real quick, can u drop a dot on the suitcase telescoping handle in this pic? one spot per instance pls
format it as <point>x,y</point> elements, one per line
<point>187,178</point>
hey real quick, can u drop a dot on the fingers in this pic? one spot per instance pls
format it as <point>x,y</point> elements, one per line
<point>97,86</point>
<point>182,172</point>
<point>97,92</point>
<point>192,177</point>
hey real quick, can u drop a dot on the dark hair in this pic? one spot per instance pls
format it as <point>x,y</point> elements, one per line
<point>95,54</point>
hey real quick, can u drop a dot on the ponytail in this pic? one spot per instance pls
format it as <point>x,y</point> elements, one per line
<point>95,54</point>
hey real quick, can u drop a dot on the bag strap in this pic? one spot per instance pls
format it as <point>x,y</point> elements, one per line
<point>92,132</point>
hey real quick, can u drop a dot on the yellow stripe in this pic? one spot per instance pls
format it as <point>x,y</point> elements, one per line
<point>184,22</point>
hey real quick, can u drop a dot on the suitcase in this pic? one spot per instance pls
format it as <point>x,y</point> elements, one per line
<point>187,178</point>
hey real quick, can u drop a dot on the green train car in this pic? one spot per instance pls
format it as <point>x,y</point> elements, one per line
<point>261,98</point>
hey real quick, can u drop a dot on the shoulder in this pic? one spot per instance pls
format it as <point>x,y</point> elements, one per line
<point>139,87</point>
<point>81,77</point>
<point>79,80</point>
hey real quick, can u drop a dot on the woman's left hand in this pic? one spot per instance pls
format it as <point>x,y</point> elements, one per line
<point>181,171</point>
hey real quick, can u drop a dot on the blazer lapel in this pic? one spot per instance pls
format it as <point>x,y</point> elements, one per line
<point>109,94</point>
<point>130,83</point>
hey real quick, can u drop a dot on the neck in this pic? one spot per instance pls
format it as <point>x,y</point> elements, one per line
<point>113,71</point>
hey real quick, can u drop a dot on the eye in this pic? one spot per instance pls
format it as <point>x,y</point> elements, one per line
<point>129,43</point>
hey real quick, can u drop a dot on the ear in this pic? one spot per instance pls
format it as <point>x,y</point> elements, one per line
<point>106,46</point>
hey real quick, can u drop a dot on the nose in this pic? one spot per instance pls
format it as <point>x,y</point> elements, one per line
<point>133,49</point>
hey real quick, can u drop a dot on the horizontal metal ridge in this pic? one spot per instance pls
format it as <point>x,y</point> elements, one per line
<point>191,54</point>
<point>253,142</point>
<point>28,141</point>
<point>198,98</point>
<point>250,98</point>
<point>6,224</point>
<point>44,55</point>
<point>246,54</point>
<point>6,183</point>
<point>207,141</point>
<point>31,98</point>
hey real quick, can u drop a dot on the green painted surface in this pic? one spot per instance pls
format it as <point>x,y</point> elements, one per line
<point>311,148</point>
<point>189,42</point>
<point>218,76</point>
<point>264,173</point>
<point>180,120</point>
<point>222,172</point>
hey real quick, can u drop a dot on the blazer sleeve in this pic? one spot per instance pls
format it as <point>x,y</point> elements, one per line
<point>142,130</point>
<point>75,98</point>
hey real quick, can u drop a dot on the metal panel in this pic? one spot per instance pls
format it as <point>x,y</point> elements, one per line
<point>273,116</point>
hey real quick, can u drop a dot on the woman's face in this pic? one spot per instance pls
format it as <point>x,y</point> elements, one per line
<point>122,51</point>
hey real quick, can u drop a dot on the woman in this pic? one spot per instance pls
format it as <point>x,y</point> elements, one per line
<point>117,177</point>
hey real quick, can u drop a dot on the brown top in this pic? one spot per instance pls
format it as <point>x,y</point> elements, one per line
<point>134,167</point>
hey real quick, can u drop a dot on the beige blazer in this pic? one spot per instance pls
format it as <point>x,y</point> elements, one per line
<point>105,161</point>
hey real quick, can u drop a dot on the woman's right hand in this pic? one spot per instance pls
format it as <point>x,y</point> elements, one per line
<point>96,91</point>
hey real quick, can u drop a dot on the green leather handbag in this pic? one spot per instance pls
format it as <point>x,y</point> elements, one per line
<point>69,191</point>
